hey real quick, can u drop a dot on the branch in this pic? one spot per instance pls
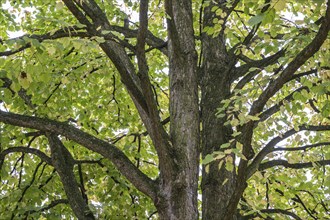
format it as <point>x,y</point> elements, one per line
<point>57,85</point>
<point>271,144</point>
<point>82,185</point>
<point>47,207</point>
<point>307,73</point>
<point>286,164</point>
<point>240,71</point>
<point>151,40</point>
<point>249,37</point>
<point>303,148</point>
<point>247,130</point>
<point>156,129</point>
<point>127,71</point>
<point>77,13</point>
<point>142,63</point>
<point>63,163</point>
<point>145,133</point>
<point>294,65</point>
<point>24,190</point>
<point>228,12</point>
<point>113,50</point>
<point>275,108</point>
<point>272,211</point>
<point>281,211</point>
<point>297,199</point>
<point>247,78</point>
<point>47,180</point>
<point>244,170</point>
<point>22,92</point>
<point>73,31</point>
<point>109,151</point>
<point>34,151</point>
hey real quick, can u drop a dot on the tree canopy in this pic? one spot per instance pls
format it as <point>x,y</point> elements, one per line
<point>165,109</point>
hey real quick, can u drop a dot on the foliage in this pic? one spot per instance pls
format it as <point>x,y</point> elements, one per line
<point>63,76</point>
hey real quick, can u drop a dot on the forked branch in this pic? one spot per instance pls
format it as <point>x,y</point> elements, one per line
<point>294,65</point>
<point>109,151</point>
<point>271,144</point>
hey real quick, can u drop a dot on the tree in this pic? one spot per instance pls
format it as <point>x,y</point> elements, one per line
<point>165,109</point>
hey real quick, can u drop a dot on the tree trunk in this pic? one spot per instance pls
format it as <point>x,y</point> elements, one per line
<point>178,186</point>
<point>216,189</point>
<point>218,184</point>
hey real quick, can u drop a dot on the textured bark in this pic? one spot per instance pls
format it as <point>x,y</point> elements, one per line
<point>217,184</point>
<point>178,189</point>
<point>215,88</point>
<point>142,97</point>
<point>63,163</point>
<point>119,159</point>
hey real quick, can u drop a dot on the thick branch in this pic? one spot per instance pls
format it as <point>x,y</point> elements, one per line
<point>271,145</point>
<point>151,39</point>
<point>245,171</point>
<point>63,163</point>
<point>240,71</point>
<point>275,108</point>
<point>77,13</point>
<point>65,32</point>
<point>109,151</point>
<point>125,67</point>
<point>286,164</point>
<point>293,66</point>
<point>302,148</point>
<point>156,130</point>
<point>142,63</point>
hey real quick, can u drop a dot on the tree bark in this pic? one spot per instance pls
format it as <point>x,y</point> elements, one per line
<point>178,186</point>
<point>216,189</point>
<point>218,184</point>
<point>63,163</point>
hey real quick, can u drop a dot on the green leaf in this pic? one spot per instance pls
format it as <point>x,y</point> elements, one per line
<point>214,8</point>
<point>253,118</point>
<point>236,133</point>
<point>256,19</point>
<point>226,145</point>
<point>326,109</point>
<point>279,5</point>
<point>220,115</point>
<point>219,155</point>
<point>234,122</point>
<point>208,159</point>
<point>59,5</point>
<point>269,18</point>
<point>229,166</point>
